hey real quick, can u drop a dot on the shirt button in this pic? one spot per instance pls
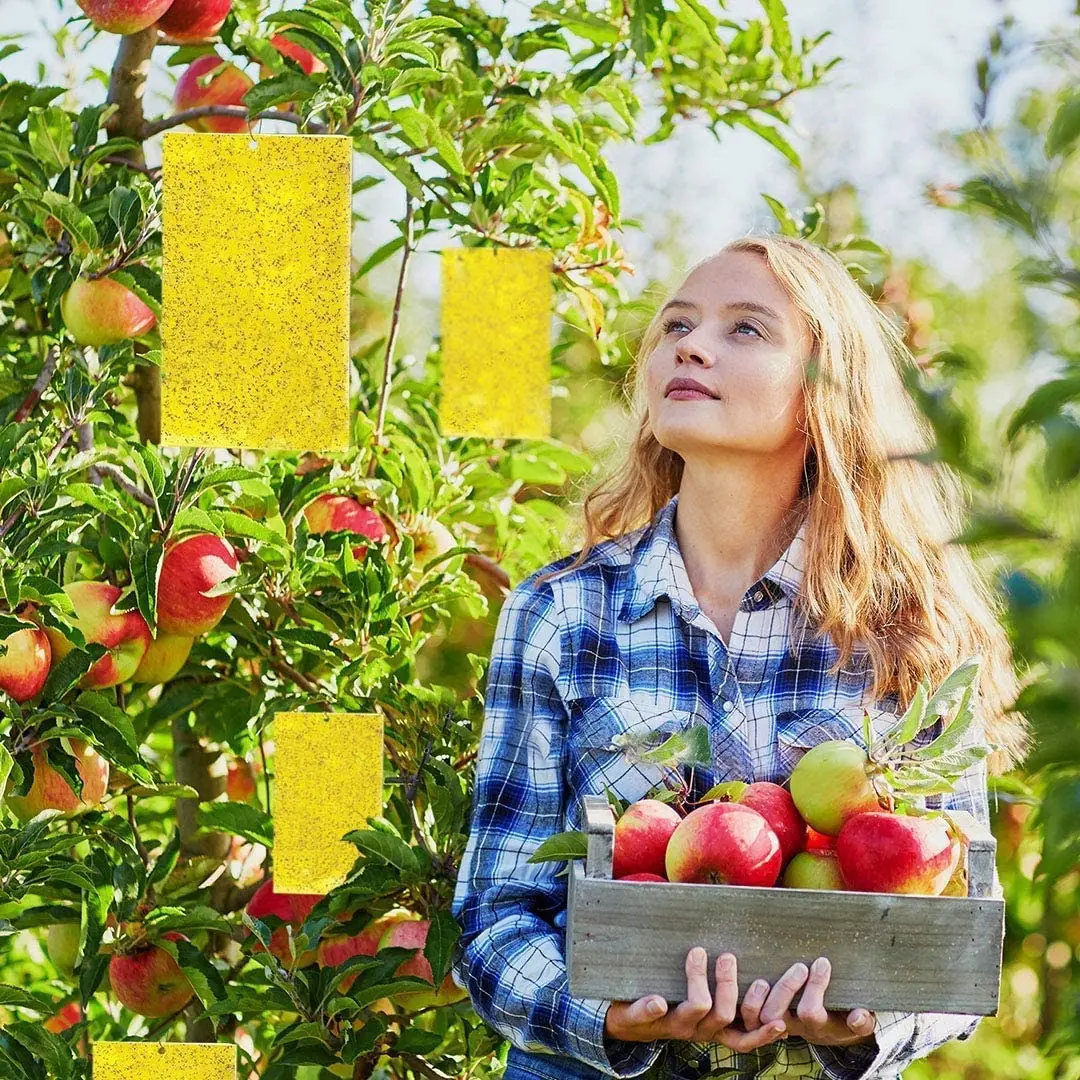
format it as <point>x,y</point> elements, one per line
<point>757,595</point>
<point>727,706</point>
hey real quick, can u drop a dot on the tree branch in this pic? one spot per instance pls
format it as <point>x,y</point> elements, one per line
<point>153,127</point>
<point>43,379</point>
<point>122,481</point>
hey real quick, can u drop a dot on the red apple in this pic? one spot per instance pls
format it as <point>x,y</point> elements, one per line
<point>124,16</point>
<point>641,838</point>
<point>777,807</point>
<point>49,790</point>
<point>831,783</point>
<point>813,870</point>
<point>227,86</point>
<point>333,951</point>
<point>819,841</point>
<point>126,635</point>
<point>164,658</point>
<point>240,784</point>
<point>726,844</point>
<point>104,312</point>
<point>893,853</point>
<point>412,934</point>
<point>342,513</point>
<point>68,1016</point>
<point>189,21</point>
<point>148,981</point>
<point>62,945</point>
<point>643,877</point>
<point>25,666</point>
<point>309,63</point>
<point>290,908</point>
<point>192,567</point>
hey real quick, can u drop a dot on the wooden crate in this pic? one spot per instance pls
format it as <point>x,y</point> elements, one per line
<point>910,953</point>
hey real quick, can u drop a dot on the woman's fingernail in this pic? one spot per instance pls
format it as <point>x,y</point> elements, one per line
<point>758,987</point>
<point>859,1018</point>
<point>821,966</point>
<point>655,1008</point>
<point>779,1027</point>
<point>697,956</point>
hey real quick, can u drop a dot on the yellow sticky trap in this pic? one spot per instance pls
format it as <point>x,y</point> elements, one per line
<point>328,779</point>
<point>255,290</point>
<point>496,343</point>
<point>164,1061</point>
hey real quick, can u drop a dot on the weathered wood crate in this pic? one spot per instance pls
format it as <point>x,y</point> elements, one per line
<point>910,953</point>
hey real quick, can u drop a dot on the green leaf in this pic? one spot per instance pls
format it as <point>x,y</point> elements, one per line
<point>955,687</point>
<point>689,747</point>
<point>6,762</point>
<point>382,847</point>
<point>415,1040</point>
<point>911,723</point>
<point>439,947</point>
<point>287,87</point>
<point>50,1048</point>
<point>732,790</point>
<point>379,255</point>
<point>17,998</point>
<point>105,707</point>
<point>240,819</point>
<point>50,134</point>
<point>1065,129</point>
<point>139,280</point>
<point>64,675</point>
<point>770,134</point>
<point>84,234</point>
<point>561,847</point>
<point>198,917</point>
<point>205,979</point>
<point>125,209</point>
<point>150,463</point>
<point>145,572</point>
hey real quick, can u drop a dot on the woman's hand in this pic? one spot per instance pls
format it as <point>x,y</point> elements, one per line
<point>700,1018</point>
<point>811,1021</point>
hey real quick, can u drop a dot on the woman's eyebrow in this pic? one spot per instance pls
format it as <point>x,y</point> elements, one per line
<point>735,305</point>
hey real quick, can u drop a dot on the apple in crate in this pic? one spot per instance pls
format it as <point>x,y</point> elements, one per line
<point>894,853</point>
<point>641,838</point>
<point>724,843</point>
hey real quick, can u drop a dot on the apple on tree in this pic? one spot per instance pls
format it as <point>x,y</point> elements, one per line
<point>62,945</point>
<point>336,949</point>
<point>25,666</point>
<point>124,16</point>
<point>101,311</point>
<point>342,513</point>
<point>68,1016</point>
<point>191,568</point>
<point>191,21</point>
<point>309,63</point>
<point>240,782</point>
<point>164,658</point>
<point>209,80</point>
<point>292,909</point>
<point>412,934</point>
<point>124,634</point>
<point>49,789</point>
<point>148,981</point>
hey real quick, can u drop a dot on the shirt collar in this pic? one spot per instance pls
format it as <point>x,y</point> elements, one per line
<point>657,569</point>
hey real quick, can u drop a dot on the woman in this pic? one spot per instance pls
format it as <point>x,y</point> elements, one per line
<point>792,570</point>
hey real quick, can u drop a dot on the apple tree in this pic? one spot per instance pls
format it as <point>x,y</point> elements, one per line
<point>158,607</point>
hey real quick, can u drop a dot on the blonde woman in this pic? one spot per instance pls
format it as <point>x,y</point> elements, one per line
<point>768,559</point>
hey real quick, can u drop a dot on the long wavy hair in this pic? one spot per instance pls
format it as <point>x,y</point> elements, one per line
<point>880,573</point>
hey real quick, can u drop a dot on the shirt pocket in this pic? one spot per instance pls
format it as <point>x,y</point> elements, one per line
<point>800,730</point>
<point>606,738</point>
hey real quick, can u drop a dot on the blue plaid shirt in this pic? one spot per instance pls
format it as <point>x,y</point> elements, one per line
<point>620,645</point>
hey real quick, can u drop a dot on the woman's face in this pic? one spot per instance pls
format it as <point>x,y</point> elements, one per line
<point>740,336</point>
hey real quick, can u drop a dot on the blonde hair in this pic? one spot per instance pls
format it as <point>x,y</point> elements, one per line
<point>879,572</point>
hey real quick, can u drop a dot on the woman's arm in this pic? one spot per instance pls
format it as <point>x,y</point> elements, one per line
<point>513,914</point>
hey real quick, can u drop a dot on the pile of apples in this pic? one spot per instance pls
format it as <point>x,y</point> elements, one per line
<point>190,568</point>
<point>831,830</point>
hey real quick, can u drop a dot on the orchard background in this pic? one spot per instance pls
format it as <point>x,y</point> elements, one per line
<point>487,146</point>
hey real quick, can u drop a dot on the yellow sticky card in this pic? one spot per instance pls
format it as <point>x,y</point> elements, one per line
<point>496,342</point>
<point>255,290</point>
<point>164,1061</point>
<point>328,779</point>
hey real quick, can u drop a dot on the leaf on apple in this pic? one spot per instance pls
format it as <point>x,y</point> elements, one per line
<point>689,747</point>
<point>439,947</point>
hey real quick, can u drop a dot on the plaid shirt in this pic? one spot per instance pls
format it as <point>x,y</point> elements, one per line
<point>620,645</point>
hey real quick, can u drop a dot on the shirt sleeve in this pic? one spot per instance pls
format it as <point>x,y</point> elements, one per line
<point>511,956</point>
<point>900,1038</point>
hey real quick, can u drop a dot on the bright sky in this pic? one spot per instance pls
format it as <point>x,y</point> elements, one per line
<point>907,77</point>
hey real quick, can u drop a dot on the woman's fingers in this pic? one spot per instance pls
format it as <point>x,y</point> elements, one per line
<point>744,1041</point>
<point>861,1022</point>
<point>783,993</point>
<point>726,999</point>
<point>754,998</point>
<point>811,1010</point>
<point>644,1011</point>
<point>684,1020</point>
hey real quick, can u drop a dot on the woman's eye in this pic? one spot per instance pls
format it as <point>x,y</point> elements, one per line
<point>750,325</point>
<point>671,323</point>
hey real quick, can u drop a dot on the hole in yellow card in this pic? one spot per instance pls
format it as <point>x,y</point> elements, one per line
<point>255,291</point>
<point>496,342</point>
<point>164,1061</point>
<point>328,779</point>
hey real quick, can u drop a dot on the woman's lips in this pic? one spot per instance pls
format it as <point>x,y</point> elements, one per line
<point>690,395</point>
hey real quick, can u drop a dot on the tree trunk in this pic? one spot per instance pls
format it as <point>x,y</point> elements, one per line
<point>207,772</point>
